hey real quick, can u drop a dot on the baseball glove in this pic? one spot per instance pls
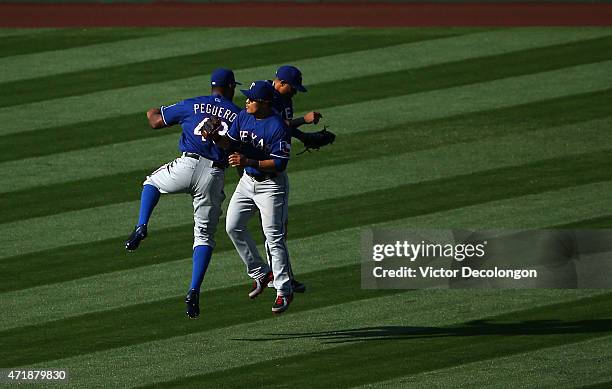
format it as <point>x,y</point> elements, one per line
<point>212,128</point>
<point>316,140</point>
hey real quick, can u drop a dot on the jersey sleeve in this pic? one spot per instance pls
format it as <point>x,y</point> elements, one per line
<point>234,132</point>
<point>175,113</point>
<point>281,142</point>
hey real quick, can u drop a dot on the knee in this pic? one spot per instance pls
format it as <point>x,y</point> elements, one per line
<point>233,229</point>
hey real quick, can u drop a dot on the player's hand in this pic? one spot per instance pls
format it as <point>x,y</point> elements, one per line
<point>312,117</point>
<point>237,160</point>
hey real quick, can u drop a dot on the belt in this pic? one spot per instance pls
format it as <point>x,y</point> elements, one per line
<point>198,156</point>
<point>263,177</point>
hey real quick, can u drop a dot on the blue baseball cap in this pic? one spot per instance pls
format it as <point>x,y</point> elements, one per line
<point>292,76</point>
<point>259,90</point>
<point>223,77</point>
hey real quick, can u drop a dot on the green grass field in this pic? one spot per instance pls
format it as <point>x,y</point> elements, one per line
<point>437,128</point>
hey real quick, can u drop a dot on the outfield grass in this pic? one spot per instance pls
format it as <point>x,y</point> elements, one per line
<point>437,128</point>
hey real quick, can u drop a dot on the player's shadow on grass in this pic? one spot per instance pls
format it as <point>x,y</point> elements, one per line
<point>472,328</point>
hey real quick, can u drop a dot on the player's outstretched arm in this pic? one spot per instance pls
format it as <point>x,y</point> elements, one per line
<point>155,118</point>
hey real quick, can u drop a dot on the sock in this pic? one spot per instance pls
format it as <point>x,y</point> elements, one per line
<point>148,201</point>
<point>201,259</point>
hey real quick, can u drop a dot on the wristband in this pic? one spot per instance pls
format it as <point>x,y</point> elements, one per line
<point>297,122</point>
<point>252,163</point>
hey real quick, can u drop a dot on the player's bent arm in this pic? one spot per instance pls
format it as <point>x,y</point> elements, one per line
<point>155,118</point>
<point>276,165</point>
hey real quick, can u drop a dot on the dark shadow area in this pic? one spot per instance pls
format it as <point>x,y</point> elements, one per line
<point>473,328</point>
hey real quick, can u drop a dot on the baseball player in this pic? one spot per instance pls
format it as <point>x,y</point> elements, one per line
<point>199,171</point>
<point>264,142</point>
<point>287,83</point>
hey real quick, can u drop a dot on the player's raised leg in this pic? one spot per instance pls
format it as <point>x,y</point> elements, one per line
<point>148,200</point>
<point>173,177</point>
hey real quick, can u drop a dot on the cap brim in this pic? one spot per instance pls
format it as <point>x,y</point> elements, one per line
<point>213,83</point>
<point>247,93</point>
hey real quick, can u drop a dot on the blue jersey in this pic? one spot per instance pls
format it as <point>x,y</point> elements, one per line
<point>261,139</point>
<point>191,114</point>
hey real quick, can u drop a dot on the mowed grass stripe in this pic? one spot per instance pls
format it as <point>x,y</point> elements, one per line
<point>61,39</point>
<point>589,362</point>
<point>463,72</point>
<point>431,52</point>
<point>325,69</point>
<point>395,141</point>
<point>214,350</point>
<point>312,218</point>
<point>352,118</point>
<point>35,305</point>
<point>599,385</point>
<point>6,32</point>
<point>156,320</point>
<point>361,88</point>
<point>473,43</point>
<point>150,44</point>
<point>190,65</point>
<point>430,348</point>
<point>71,137</point>
<point>407,168</point>
<point>443,103</point>
<point>602,222</point>
<point>108,104</point>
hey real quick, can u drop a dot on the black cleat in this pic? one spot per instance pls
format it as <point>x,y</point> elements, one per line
<point>193,304</point>
<point>281,304</point>
<point>260,284</point>
<point>139,233</point>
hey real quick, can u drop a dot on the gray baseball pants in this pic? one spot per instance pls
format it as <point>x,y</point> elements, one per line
<point>271,198</point>
<point>205,185</point>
